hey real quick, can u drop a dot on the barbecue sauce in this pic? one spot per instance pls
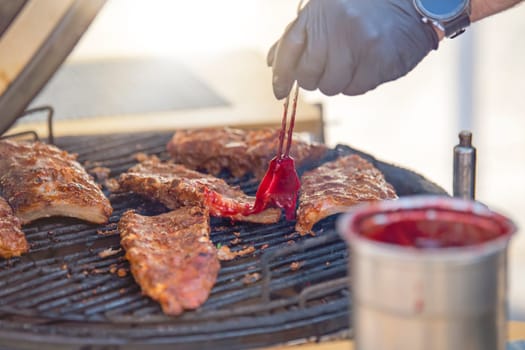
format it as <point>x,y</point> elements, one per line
<point>223,208</point>
<point>279,190</point>
<point>280,185</point>
<point>432,234</point>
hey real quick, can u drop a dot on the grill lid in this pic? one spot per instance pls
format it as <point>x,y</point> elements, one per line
<point>33,47</point>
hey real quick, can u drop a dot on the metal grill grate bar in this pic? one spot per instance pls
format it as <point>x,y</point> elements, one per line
<point>112,147</point>
<point>72,294</point>
<point>122,312</point>
<point>93,298</point>
<point>27,280</point>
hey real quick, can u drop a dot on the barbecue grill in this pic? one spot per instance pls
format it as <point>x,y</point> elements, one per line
<point>71,292</point>
<point>74,290</point>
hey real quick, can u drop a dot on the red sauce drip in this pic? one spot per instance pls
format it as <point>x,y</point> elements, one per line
<point>432,234</point>
<point>280,189</point>
<point>280,185</point>
<point>219,207</point>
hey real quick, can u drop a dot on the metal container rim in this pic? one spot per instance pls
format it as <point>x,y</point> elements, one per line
<point>346,227</point>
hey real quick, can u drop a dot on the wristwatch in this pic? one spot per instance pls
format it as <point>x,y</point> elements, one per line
<point>449,16</point>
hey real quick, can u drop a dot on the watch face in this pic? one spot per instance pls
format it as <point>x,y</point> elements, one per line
<point>441,9</point>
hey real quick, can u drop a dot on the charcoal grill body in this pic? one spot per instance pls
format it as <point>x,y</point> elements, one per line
<point>65,294</point>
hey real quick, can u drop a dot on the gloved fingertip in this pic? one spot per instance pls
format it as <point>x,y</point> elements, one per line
<point>278,95</point>
<point>357,89</point>
<point>281,89</point>
<point>280,92</point>
<point>271,55</point>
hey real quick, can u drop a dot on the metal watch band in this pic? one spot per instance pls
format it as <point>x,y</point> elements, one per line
<point>456,26</point>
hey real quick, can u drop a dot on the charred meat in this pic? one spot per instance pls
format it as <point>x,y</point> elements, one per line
<point>264,143</point>
<point>171,256</point>
<point>40,180</point>
<point>175,186</point>
<point>211,149</point>
<point>12,239</point>
<point>239,151</point>
<point>335,186</point>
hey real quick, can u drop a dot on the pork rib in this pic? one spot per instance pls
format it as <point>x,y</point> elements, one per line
<point>174,185</point>
<point>211,149</point>
<point>12,239</point>
<point>40,180</point>
<point>263,145</point>
<point>171,256</point>
<point>335,186</point>
<point>239,151</point>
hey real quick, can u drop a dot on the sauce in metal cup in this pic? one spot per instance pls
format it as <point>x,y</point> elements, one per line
<point>428,272</point>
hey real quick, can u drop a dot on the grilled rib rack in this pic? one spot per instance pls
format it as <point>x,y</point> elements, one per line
<point>71,292</point>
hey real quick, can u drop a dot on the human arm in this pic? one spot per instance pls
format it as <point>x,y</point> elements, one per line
<point>485,8</point>
<point>352,46</point>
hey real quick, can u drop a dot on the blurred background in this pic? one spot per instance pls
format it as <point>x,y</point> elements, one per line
<point>475,82</point>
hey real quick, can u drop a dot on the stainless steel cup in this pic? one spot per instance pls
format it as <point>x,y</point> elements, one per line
<point>422,298</point>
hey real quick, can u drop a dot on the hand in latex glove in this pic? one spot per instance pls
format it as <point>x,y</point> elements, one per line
<point>349,46</point>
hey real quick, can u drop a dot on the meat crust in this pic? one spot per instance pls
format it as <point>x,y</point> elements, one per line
<point>225,254</point>
<point>264,143</point>
<point>40,180</point>
<point>171,256</point>
<point>211,149</point>
<point>12,239</point>
<point>239,151</point>
<point>335,186</point>
<point>174,185</point>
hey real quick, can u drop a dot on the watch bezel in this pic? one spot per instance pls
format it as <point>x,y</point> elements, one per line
<point>442,18</point>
